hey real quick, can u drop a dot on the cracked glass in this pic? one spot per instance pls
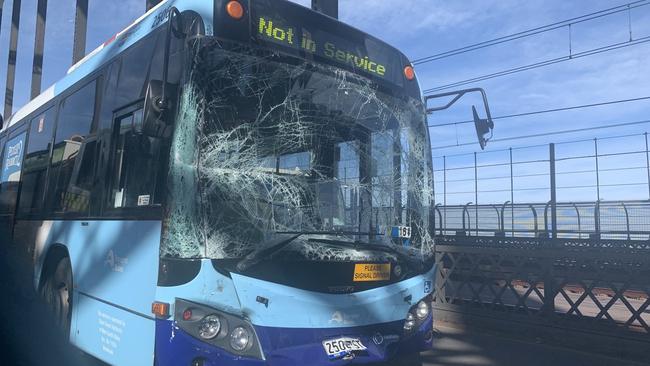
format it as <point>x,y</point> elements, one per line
<point>267,144</point>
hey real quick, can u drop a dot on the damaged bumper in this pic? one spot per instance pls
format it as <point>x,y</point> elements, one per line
<point>294,346</point>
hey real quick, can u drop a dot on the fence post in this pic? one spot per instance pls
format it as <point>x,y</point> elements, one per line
<point>548,307</point>
<point>647,162</point>
<point>476,193</point>
<point>512,197</point>
<point>549,282</point>
<point>444,190</point>
<point>553,191</point>
<point>597,170</point>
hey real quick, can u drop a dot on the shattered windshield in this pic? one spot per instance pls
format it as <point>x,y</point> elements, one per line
<point>264,146</point>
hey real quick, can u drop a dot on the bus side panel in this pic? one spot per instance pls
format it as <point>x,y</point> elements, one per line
<point>113,335</point>
<point>115,272</point>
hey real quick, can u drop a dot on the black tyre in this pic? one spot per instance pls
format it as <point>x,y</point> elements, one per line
<point>57,293</point>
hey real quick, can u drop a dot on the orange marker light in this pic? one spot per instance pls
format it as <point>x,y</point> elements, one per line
<point>160,309</point>
<point>235,10</point>
<point>409,72</point>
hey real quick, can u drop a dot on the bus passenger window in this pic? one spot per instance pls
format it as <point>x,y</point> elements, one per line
<point>36,163</point>
<point>73,129</point>
<point>136,164</point>
<point>2,184</point>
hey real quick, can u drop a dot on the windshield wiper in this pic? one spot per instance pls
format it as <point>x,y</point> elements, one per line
<point>400,252</point>
<point>266,249</point>
<point>331,232</point>
<point>278,243</point>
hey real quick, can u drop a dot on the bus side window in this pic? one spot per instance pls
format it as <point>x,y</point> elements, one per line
<point>136,164</point>
<point>36,163</point>
<point>74,126</point>
<point>3,139</point>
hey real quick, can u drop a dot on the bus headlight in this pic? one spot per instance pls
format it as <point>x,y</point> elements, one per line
<point>217,328</point>
<point>239,339</point>
<point>422,310</point>
<point>409,323</point>
<point>210,326</point>
<point>417,315</point>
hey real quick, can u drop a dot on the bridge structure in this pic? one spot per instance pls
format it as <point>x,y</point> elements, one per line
<point>575,272</point>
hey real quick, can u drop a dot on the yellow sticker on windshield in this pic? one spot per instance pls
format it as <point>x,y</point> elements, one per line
<point>364,272</point>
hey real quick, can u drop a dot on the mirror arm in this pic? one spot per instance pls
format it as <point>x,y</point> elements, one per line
<point>457,95</point>
<point>479,123</point>
<point>162,102</point>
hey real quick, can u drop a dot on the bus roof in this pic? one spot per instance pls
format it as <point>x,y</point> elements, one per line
<point>141,27</point>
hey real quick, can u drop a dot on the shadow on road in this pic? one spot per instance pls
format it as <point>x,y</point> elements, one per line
<point>456,347</point>
<point>28,335</point>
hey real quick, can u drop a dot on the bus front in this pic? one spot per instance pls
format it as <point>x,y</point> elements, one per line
<point>297,224</point>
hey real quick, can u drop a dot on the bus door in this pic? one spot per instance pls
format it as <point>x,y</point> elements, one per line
<point>13,149</point>
<point>114,320</point>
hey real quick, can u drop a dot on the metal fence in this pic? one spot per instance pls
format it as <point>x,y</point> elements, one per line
<point>625,220</point>
<point>599,286</point>
<point>551,238</point>
<point>606,169</point>
<point>582,293</point>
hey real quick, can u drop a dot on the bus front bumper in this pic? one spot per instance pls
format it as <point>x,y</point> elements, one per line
<point>294,346</point>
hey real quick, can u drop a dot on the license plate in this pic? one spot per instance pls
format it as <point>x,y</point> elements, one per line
<point>340,347</point>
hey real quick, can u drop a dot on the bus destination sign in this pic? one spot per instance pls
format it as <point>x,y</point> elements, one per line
<point>313,34</point>
<point>287,36</point>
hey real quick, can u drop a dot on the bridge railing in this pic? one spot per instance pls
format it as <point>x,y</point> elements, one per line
<point>625,220</point>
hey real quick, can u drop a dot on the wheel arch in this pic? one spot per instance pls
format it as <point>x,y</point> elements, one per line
<point>54,254</point>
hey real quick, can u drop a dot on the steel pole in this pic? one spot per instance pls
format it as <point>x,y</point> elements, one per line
<point>597,169</point>
<point>512,197</point>
<point>80,30</point>
<point>444,189</point>
<point>11,59</point>
<point>553,192</point>
<point>647,162</point>
<point>2,3</point>
<point>39,43</point>
<point>476,192</point>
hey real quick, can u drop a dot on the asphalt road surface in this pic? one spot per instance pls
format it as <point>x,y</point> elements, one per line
<point>453,347</point>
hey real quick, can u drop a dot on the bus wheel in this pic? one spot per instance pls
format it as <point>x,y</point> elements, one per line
<point>57,293</point>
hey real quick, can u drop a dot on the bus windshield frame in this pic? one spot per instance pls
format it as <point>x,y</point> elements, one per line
<point>257,128</point>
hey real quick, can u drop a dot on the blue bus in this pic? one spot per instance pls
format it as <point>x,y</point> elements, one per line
<point>229,182</point>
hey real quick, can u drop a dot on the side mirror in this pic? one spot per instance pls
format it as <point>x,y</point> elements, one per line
<point>483,127</point>
<point>2,121</point>
<point>159,109</point>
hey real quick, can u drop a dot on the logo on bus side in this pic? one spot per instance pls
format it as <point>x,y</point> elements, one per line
<point>13,155</point>
<point>13,159</point>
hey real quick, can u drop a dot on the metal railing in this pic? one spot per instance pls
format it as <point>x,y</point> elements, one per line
<point>606,169</point>
<point>625,220</point>
<point>606,287</point>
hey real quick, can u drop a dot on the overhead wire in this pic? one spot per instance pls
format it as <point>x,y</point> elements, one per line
<point>536,65</point>
<point>549,110</point>
<point>541,145</point>
<point>534,31</point>
<point>543,134</point>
